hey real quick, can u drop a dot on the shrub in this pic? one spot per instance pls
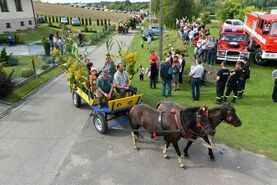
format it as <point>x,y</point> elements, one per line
<point>46,46</point>
<point>45,66</point>
<point>86,29</point>
<point>48,60</point>
<point>12,61</point>
<point>3,39</point>
<point>26,72</point>
<point>6,84</point>
<point>4,57</point>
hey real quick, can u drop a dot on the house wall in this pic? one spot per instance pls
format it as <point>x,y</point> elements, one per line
<point>14,18</point>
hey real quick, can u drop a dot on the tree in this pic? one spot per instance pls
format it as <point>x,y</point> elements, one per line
<point>4,57</point>
<point>97,22</point>
<point>243,11</point>
<point>205,18</point>
<point>181,8</point>
<point>105,22</point>
<point>228,9</point>
<point>101,22</point>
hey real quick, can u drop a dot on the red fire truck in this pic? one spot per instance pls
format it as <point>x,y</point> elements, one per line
<point>262,30</point>
<point>232,44</point>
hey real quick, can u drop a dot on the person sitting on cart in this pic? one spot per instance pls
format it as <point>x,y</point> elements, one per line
<point>121,81</point>
<point>104,87</point>
<point>92,81</point>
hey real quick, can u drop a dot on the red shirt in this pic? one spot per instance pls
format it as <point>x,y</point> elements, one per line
<point>153,57</point>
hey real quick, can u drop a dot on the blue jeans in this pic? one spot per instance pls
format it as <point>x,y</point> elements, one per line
<point>211,56</point>
<point>195,88</point>
<point>122,92</point>
<point>169,84</point>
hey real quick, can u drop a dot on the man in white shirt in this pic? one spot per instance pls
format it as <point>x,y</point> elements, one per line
<point>196,73</point>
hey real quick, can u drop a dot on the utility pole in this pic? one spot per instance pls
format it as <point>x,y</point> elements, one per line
<point>161,32</point>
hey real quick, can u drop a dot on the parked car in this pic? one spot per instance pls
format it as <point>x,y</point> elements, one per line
<point>156,30</point>
<point>233,22</point>
<point>75,21</point>
<point>64,20</point>
<point>145,33</point>
<point>41,19</point>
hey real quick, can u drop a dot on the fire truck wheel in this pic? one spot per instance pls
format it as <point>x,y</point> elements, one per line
<point>258,57</point>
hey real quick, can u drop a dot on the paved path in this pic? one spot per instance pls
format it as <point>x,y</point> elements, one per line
<point>36,138</point>
<point>33,49</point>
<point>49,141</point>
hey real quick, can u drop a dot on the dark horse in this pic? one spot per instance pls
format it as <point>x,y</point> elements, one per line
<point>159,122</point>
<point>216,116</point>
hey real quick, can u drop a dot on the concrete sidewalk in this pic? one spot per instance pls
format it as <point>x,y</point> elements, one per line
<point>25,50</point>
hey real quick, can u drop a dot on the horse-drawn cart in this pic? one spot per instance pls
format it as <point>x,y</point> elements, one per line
<point>113,110</point>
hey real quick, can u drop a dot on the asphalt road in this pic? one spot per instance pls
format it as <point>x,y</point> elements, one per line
<point>49,141</point>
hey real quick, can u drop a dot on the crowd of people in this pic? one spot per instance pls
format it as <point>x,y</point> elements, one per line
<point>197,36</point>
<point>56,42</point>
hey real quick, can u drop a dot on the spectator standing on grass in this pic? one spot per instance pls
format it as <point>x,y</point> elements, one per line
<point>176,68</point>
<point>196,73</point>
<point>182,68</point>
<point>233,82</point>
<point>149,40</point>
<point>55,40</point>
<point>166,76</point>
<point>60,45</point>
<point>50,37</point>
<point>211,50</point>
<point>141,73</point>
<point>204,51</point>
<point>274,94</point>
<point>191,35</point>
<point>245,76</point>
<point>153,74</point>
<point>221,80</point>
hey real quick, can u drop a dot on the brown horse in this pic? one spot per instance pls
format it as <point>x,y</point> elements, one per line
<point>217,115</point>
<point>160,123</point>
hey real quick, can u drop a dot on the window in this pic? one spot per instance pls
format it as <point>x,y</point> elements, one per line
<point>8,25</point>
<point>18,5</point>
<point>273,30</point>
<point>22,23</point>
<point>4,6</point>
<point>30,22</point>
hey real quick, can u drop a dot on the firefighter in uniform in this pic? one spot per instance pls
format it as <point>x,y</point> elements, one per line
<point>221,80</point>
<point>245,76</point>
<point>233,82</point>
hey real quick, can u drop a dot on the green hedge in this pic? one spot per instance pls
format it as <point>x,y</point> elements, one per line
<point>45,66</point>
<point>26,72</point>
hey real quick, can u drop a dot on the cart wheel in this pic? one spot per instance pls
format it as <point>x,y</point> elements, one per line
<point>76,99</point>
<point>100,123</point>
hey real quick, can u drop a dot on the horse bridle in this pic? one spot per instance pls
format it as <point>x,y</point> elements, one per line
<point>229,118</point>
<point>199,123</point>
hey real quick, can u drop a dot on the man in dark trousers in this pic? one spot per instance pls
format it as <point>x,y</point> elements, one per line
<point>233,82</point>
<point>221,80</point>
<point>274,94</point>
<point>245,76</point>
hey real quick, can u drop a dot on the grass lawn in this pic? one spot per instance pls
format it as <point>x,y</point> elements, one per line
<point>258,132</point>
<point>29,36</point>
<point>23,90</point>
<point>24,62</point>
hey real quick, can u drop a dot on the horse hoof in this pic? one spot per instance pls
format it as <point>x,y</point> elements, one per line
<point>182,166</point>
<point>136,148</point>
<point>186,155</point>
<point>165,156</point>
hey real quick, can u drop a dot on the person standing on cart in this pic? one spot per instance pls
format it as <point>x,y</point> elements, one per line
<point>233,82</point>
<point>245,76</point>
<point>221,80</point>
<point>104,87</point>
<point>109,65</point>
